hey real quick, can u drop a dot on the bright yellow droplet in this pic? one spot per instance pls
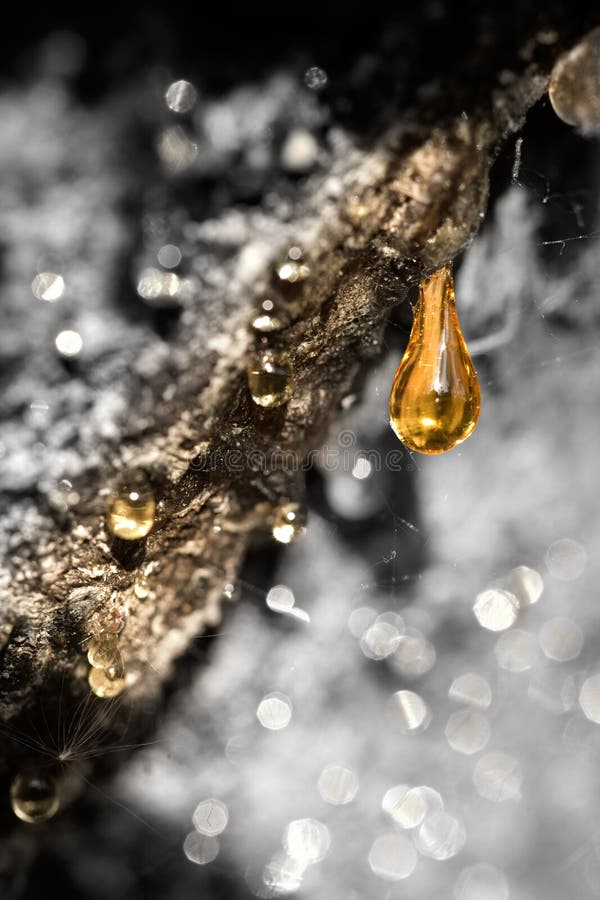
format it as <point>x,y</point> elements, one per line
<point>131,506</point>
<point>435,399</point>
<point>34,798</point>
<point>103,686</point>
<point>270,378</point>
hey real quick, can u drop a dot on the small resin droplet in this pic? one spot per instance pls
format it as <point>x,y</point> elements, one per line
<point>131,506</point>
<point>103,653</point>
<point>435,399</point>
<point>270,378</point>
<point>34,798</point>
<point>289,523</point>
<point>103,686</point>
<point>141,587</point>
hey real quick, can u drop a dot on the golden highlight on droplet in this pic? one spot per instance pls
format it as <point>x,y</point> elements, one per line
<point>435,398</point>
<point>115,671</point>
<point>34,798</point>
<point>131,506</point>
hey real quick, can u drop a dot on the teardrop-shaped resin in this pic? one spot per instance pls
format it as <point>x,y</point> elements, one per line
<point>103,653</point>
<point>435,398</point>
<point>131,506</point>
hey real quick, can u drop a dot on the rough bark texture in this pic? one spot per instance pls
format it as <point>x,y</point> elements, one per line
<point>384,214</point>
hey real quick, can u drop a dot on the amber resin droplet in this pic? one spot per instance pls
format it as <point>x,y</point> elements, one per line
<point>131,506</point>
<point>435,399</point>
<point>289,523</point>
<point>115,670</point>
<point>103,685</point>
<point>103,653</point>
<point>141,587</point>
<point>270,378</point>
<point>34,798</point>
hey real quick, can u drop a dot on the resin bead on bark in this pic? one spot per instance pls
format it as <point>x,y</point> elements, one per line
<point>289,523</point>
<point>435,398</point>
<point>270,379</point>
<point>141,587</point>
<point>103,653</point>
<point>107,656</point>
<point>131,506</point>
<point>103,686</point>
<point>34,798</point>
<point>115,670</point>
